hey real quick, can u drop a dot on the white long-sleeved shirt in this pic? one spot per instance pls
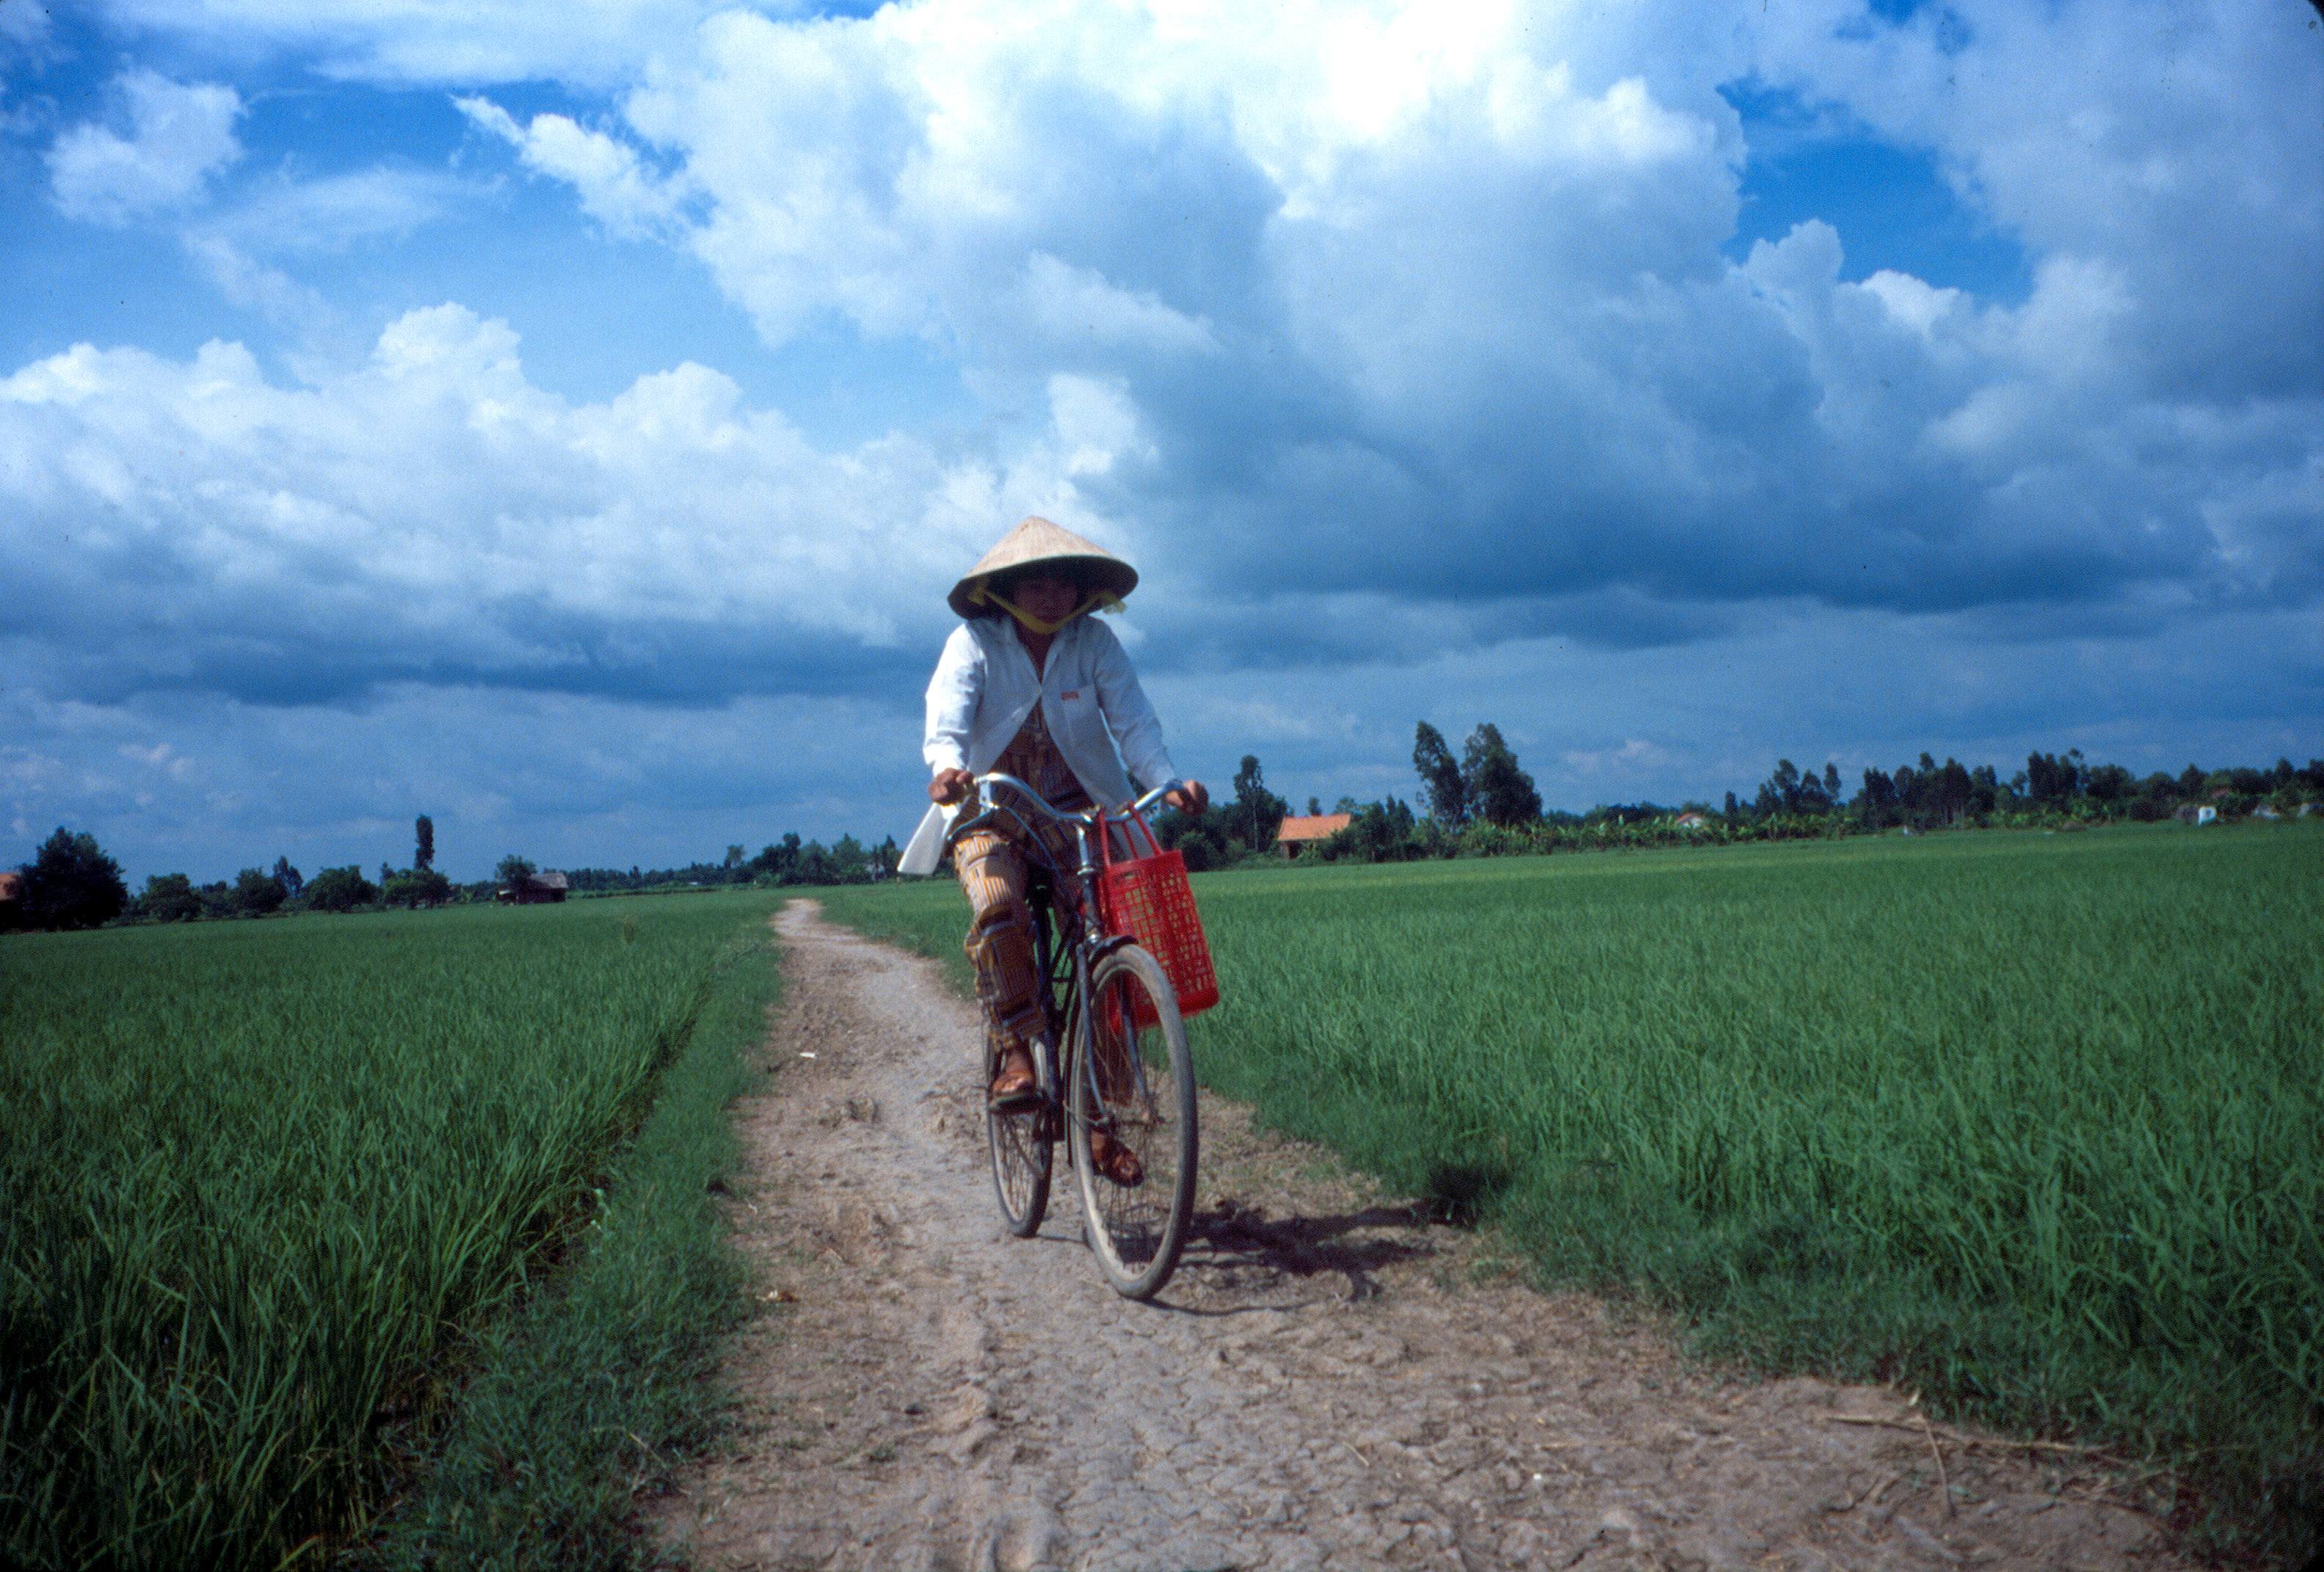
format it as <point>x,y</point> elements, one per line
<point>985,686</point>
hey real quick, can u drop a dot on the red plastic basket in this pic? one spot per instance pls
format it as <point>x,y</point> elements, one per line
<point>1149,899</point>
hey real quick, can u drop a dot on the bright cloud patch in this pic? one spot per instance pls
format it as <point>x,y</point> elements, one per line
<point>1454,291</point>
<point>595,41</point>
<point>614,186</point>
<point>179,135</point>
<point>432,516</point>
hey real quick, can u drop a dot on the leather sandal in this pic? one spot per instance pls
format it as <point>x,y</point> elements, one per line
<point>1115,1160</point>
<point>1014,1085</point>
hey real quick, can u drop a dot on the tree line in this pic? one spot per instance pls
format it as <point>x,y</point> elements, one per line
<point>788,862</point>
<point>73,882</point>
<point>1482,803</point>
<point>1479,803</point>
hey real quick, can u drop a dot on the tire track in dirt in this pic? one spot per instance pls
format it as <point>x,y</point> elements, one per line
<point>1330,1381</point>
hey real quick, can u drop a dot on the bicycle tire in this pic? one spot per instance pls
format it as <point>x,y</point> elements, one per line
<point>1136,1233</point>
<point>1021,1147</point>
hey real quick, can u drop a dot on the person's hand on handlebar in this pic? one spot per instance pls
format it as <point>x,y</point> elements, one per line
<point>1189,797</point>
<point>950,785</point>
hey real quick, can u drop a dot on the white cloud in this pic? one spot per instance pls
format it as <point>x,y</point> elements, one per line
<point>1064,303</point>
<point>1634,756</point>
<point>2174,146</point>
<point>598,42</point>
<point>434,515</point>
<point>1401,345</point>
<point>331,213</point>
<point>1453,284</point>
<point>179,135</point>
<point>614,186</point>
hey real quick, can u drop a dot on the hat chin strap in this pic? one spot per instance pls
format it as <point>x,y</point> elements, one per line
<point>1099,601</point>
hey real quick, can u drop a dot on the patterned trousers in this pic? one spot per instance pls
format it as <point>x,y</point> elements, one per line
<point>994,874</point>
<point>993,870</point>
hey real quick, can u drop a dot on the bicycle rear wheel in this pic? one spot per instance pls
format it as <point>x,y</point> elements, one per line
<point>1021,1145</point>
<point>1134,1079</point>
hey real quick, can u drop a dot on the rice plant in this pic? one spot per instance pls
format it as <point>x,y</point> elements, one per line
<point>260,1181</point>
<point>2034,1123</point>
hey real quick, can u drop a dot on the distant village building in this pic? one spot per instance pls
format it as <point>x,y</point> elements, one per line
<point>2265,812</point>
<point>1694,821</point>
<point>533,891</point>
<point>2191,814</point>
<point>1304,829</point>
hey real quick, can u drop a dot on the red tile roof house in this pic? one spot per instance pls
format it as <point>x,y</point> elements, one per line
<point>1301,829</point>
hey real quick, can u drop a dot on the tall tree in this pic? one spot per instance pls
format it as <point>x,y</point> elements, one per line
<point>1440,786</point>
<point>1497,790</point>
<point>1876,804</point>
<point>1783,788</point>
<point>1257,812</point>
<point>1954,790</point>
<point>423,851</point>
<point>778,863</point>
<point>169,898</point>
<point>340,889</point>
<point>258,892</point>
<point>71,883</point>
<point>287,877</point>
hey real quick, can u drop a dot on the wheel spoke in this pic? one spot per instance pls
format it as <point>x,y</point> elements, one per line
<point>1134,1093</point>
<point>1020,1145</point>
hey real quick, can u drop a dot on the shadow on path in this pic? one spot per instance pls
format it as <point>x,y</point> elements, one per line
<point>1232,1239</point>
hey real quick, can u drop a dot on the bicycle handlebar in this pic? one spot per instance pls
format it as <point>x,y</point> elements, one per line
<point>1091,815</point>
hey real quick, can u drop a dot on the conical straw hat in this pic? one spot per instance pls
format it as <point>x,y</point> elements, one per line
<point>1037,540</point>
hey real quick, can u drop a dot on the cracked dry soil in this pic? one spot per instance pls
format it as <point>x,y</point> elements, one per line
<point>1330,1381</point>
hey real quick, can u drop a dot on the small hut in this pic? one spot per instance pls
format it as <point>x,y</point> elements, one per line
<point>1299,830</point>
<point>1691,820</point>
<point>532,892</point>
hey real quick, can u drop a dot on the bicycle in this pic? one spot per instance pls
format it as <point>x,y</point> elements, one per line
<point>1113,1059</point>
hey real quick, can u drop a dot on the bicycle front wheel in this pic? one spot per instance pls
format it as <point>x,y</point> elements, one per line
<point>1020,1142</point>
<point>1133,1083</point>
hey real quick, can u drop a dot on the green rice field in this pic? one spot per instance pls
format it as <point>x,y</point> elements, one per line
<point>2034,1124</point>
<point>262,1183</point>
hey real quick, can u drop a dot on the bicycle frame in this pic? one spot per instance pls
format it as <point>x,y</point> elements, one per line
<point>1069,940</point>
<point>1115,1063</point>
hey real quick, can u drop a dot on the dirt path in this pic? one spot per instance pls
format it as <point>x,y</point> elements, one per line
<point>1331,1383</point>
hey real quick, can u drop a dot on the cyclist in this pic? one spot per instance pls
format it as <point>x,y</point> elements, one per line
<point>1031,686</point>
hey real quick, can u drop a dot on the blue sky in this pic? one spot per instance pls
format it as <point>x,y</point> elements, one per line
<point>564,421</point>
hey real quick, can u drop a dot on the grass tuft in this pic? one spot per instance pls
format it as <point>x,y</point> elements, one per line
<point>590,1396</point>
